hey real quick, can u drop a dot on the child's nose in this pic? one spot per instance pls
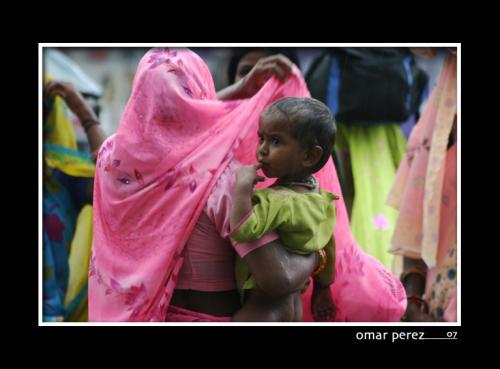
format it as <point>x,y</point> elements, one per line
<point>263,149</point>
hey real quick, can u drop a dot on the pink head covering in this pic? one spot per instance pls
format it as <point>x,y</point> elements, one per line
<point>155,174</point>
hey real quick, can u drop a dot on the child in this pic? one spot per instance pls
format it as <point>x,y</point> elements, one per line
<point>296,137</point>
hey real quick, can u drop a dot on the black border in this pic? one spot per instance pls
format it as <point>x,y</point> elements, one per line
<point>345,334</point>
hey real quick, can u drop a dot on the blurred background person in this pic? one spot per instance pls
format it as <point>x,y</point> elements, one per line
<point>67,198</point>
<point>425,192</point>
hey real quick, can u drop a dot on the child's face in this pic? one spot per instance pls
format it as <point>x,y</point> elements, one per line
<point>278,151</point>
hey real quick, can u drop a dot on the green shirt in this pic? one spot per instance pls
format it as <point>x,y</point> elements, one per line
<point>304,222</point>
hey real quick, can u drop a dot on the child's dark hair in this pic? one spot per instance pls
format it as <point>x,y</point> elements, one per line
<point>314,124</point>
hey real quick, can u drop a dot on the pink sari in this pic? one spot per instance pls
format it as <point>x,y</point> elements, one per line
<point>153,179</point>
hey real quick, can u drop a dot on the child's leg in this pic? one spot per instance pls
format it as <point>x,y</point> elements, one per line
<point>259,307</point>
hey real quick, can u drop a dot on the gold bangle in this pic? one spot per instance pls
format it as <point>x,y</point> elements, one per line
<point>412,270</point>
<point>87,124</point>
<point>322,263</point>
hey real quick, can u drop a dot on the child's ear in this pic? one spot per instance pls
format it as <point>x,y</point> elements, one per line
<point>313,156</point>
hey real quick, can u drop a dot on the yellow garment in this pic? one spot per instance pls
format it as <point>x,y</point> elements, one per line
<point>60,134</point>
<point>69,163</point>
<point>58,128</point>
<point>79,262</point>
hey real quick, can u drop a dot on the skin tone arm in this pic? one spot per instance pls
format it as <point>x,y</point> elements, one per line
<point>322,305</point>
<point>280,275</point>
<point>414,284</point>
<point>275,65</point>
<point>325,277</point>
<point>246,177</point>
<point>84,113</point>
<point>279,272</point>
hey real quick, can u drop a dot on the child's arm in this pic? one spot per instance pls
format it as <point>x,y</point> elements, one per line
<point>325,277</point>
<point>246,177</point>
<point>322,305</point>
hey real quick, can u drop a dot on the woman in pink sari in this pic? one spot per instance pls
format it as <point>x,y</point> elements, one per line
<point>425,192</point>
<point>162,200</point>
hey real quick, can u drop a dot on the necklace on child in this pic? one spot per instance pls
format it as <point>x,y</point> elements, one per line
<point>309,182</point>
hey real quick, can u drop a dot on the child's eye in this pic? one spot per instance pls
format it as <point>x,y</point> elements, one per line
<point>275,141</point>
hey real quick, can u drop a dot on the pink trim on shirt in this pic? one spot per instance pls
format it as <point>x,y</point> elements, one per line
<point>245,248</point>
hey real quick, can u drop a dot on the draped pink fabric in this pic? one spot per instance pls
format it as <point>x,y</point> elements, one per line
<point>155,174</point>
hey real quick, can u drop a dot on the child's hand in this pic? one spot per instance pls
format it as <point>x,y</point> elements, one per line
<point>247,176</point>
<point>322,306</point>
